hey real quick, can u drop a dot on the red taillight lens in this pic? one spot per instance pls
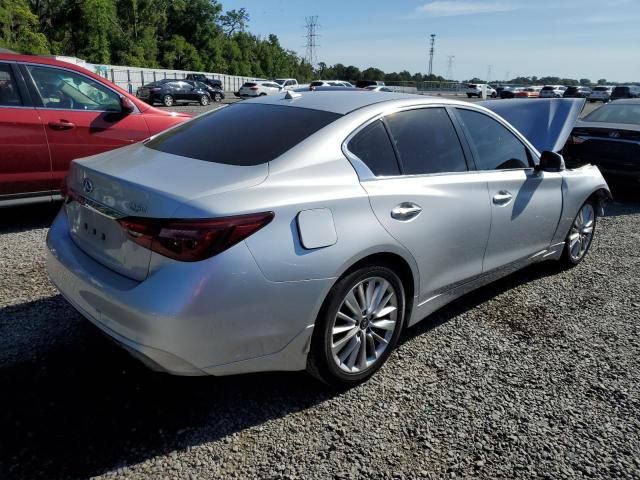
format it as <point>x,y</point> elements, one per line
<point>193,240</point>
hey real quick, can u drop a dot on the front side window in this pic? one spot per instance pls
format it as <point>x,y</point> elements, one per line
<point>426,141</point>
<point>9,96</point>
<point>373,147</point>
<point>495,147</point>
<point>62,89</point>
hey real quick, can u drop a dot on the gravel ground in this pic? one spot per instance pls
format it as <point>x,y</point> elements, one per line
<point>534,376</point>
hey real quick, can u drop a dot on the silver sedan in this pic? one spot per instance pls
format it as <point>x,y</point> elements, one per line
<point>313,240</point>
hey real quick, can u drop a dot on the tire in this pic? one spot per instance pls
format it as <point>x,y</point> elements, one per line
<point>335,357</point>
<point>205,100</point>
<point>262,94</point>
<point>580,236</point>
<point>217,97</point>
<point>493,95</point>
<point>469,95</point>
<point>167,101</point>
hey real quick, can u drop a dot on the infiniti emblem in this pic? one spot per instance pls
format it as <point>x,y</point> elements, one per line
<point>87,185</point>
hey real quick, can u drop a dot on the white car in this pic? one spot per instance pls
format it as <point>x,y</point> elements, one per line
<point>475,90</point>
<point>600,94</point>
<point>329,83</point>
<point>287,83</point>
<point>378,88</point>
<point>258,89</point>
<point>552,91</point>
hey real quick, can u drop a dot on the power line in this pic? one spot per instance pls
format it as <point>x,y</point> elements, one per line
<point>431,52</point>
<point>311,36</point>
<point>450,61</point>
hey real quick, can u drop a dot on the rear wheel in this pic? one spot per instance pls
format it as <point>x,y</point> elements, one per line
<point>167,101</point>
<point>262,94</point>
<point>358,326</point>
<point>580,235</point>
<point>204,100</point>
<point>469,95</point>
<point>217,97</point>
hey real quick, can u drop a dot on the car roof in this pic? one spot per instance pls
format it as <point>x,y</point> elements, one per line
<point>345,101</point>
<point>626,101</point>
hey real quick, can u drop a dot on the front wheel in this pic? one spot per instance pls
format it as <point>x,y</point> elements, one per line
<point>217,97</point>
<point>358,326</point>
<point>167,101</point>
<point>204,100</point>
<point>580,235</point>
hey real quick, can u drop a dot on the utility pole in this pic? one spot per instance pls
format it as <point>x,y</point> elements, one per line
<point>450,60</point>
<point>431,52</point>
<point>489,68</point>
<point>508,76</point>
<point>311,36</point>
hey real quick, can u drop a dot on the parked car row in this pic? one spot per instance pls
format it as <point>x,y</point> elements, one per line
<point>169,92</point>
<point>596,94</point>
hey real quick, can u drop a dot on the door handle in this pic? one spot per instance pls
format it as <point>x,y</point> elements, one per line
<point>62,125</point>
<point>503,197</point>
<point>406,211</point>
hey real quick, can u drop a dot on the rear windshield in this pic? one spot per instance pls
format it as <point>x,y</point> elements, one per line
<point>317,84</point>
<point>249,84</point>
<point>471,85</point>
<point>572,89</point>
<point>548,88</point>
<point>616,113</point>
<point>242,134</point>
<point>600,89</point>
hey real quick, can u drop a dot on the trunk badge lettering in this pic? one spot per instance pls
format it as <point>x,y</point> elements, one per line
<point>136,207</point>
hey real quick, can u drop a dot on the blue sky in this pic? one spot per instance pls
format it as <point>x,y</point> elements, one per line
<point>567,38</point>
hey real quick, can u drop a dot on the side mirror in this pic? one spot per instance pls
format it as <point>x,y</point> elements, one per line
<point>550,162</point>
<point>126,105</point>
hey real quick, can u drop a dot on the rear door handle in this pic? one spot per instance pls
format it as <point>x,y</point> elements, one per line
<point>406,211</point>
<point>503,197</point>
<point>62,125</point>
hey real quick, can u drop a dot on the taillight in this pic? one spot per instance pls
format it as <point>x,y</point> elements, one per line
<point>193,240</point>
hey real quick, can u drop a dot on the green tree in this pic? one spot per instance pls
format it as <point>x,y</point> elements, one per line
<point>585,81</point>
<point>19,28</point>
<point>181,55</point>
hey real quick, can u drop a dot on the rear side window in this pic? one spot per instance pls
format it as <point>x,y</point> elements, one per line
<point>242,134</point>
<point>9,96</point>
<point>495,147</point>
<point>426,141</point>
<point>373,147</point>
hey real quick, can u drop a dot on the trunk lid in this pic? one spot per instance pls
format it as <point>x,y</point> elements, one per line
<point>140,182</point>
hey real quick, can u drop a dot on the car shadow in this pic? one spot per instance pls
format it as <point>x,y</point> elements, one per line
<point>626,199</point>
<point>28,217</point>
<point>79,408</point>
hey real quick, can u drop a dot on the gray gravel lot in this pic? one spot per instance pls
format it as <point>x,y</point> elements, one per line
<point>534,376</point>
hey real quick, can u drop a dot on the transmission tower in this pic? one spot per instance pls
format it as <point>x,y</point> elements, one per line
<point>450,61</point>
<point>432,50</point>
<point>311,36</point>
<point>489,69</point>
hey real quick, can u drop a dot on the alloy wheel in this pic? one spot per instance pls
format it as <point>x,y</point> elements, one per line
<point>581,232</point>
<point>167,100</point>
<point>364,325</point>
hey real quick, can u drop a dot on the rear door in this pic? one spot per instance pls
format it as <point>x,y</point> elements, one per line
<point>25,165</point>
<point>81,116</point>
<point>525,204</point>
<point>429,201</point>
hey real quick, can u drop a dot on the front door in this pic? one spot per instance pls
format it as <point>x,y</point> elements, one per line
<point>525,204</point>
<point>25,166</point>
<point>81,116</point>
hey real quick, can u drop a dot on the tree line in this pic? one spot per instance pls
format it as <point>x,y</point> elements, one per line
<point>196,35</point>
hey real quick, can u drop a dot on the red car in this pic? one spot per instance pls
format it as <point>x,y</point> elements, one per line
<point>52,112</point>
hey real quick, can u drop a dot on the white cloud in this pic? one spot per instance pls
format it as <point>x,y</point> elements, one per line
<point>453,8</point>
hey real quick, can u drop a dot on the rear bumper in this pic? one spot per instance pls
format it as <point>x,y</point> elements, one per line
<point>220,316</point>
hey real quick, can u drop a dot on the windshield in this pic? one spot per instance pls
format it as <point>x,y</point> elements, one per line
<point>280,81</point>
<point>220,136</point>
<point>616,113</point>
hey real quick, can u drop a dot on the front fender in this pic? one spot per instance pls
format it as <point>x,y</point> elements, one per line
<point>578,186</point>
